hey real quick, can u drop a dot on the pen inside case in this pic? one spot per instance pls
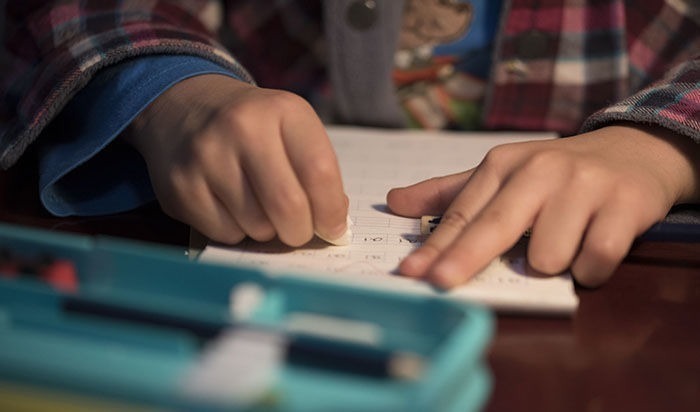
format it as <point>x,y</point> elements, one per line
<point>148,326</point>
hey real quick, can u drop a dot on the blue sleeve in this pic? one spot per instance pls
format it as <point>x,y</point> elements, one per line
<point>80,173</point>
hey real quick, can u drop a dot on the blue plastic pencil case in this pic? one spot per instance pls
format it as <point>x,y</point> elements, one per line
<point>148,328</point>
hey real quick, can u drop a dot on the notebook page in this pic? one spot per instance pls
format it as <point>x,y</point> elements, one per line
<point>373,161</point>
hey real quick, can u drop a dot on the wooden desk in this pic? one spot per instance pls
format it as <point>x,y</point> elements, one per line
<point>633,345</point>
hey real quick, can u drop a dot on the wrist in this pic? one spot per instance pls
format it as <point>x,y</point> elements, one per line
<point>186,108</point>
<point>675,157</point>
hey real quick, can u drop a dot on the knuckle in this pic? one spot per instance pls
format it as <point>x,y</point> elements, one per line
<point>199,154</point>
<point>545,161</point>
<point>455,219</point>
<point>546,157</point>
<point>431,249</point>
<point>290,203</point>
<point>606,250</point>
<point>497,218</point>
<point>202,148</point>
<point>496,158</point>
<point>239,121</point>
<point>295,201</point>
<point>287,101</point>
<point>585,174</point>
<point>323,170</point>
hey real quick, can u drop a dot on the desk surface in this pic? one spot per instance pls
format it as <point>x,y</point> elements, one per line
<point>633,344</point>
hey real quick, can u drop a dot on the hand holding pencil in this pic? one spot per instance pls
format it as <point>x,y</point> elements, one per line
<point>234,160</point>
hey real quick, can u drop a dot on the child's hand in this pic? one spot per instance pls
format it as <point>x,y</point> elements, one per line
<point>586,198</point>
<point>231,160</point>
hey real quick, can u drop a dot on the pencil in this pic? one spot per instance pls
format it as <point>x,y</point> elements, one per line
<point>305,349</point>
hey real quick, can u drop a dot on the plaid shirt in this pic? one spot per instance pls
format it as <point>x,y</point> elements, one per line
<point>560,65</point>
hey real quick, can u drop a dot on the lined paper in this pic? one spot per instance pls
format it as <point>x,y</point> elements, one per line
<point>373,161</point>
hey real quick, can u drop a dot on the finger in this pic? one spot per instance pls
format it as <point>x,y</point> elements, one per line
<point>481,186</point>
<point>558,229</point>
<point>192,202</point>
<point>313,159</point>
<point>493,231</point>
<point>608,239</point>
<point>429,197</point>
<point>475,186</point>
<point>223,228</point>
<point>231,186</point>
<point>275,184</point>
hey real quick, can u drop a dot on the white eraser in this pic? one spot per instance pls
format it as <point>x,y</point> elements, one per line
<point>344,239</point>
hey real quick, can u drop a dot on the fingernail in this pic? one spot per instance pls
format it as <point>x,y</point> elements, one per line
<point>343,237</point>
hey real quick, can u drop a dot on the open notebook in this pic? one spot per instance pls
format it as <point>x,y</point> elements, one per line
<point>372,161</point>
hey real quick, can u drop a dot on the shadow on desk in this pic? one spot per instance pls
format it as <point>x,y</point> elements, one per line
<point>20,204</point>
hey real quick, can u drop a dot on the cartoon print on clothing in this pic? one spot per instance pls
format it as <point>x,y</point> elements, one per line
<point>433,92</point>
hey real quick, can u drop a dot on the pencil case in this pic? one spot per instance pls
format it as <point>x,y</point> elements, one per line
<point>99,323</point>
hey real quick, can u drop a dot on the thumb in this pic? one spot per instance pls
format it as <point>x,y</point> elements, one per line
<point>429,197</point>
